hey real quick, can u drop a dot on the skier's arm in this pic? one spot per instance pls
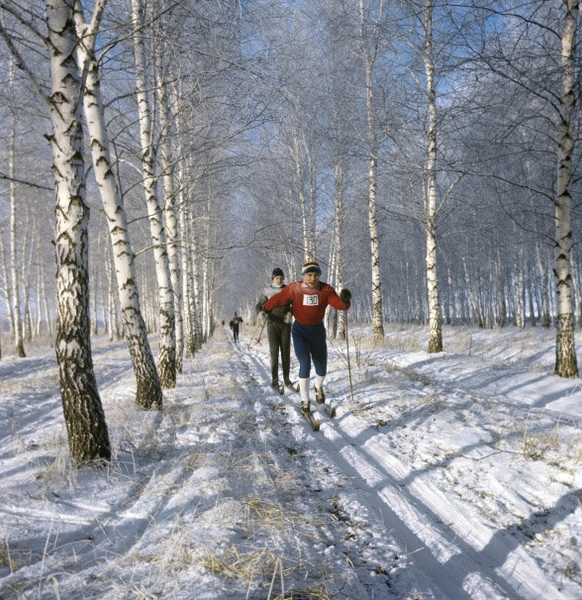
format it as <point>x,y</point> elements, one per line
<point>342,302</point>
<point>279,299</point>
<point>261,303</point>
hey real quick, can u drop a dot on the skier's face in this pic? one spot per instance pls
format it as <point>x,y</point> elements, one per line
<point>278,280</point>
<point>311,279</point>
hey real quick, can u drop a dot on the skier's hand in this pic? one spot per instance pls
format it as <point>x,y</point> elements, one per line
<point>346,295</point>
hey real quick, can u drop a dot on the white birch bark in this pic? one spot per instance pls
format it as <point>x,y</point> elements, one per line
<point>167,345</point>
<point>543,271</point>
<point>15,279</point>
<point>340,316</point>
<point>46,313</point>
<point>170,212</point>
<point>148,389</point>
<point>196,300</point>
<point>435,336</point>
<point>312,205</point>
<point>87,431</point>
<point>471,295</point>
<point>307,241</point>
<point>7,288</point>
<point>566,363</point>
<point>24,274</point>
<point>519,294</point>
<point>187,285</point>
<point>111,328</point>
<point>501,300</point>
<point>369,50</point>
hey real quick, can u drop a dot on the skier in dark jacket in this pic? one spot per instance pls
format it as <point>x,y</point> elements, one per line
<point>234,325</point>
<point>278,329</point>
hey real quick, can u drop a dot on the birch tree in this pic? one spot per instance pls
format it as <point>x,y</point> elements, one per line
<point>435,336</point>
<point>88,437</point>
<point>14,275</point>
<point>566,363</point>
<point>84,417</point>
<point>369,47</point>
<point>148,389</point>
<point>167,345</point>
<point>540,62</point>
<point>170,211</point>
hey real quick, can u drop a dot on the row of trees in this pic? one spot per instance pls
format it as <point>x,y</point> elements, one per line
<point>425,152</point>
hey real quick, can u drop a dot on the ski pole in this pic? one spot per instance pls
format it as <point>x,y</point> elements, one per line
<point>348,353</point>
<point>264,320</point>
<point>262,328</point>
<point>254,333</point>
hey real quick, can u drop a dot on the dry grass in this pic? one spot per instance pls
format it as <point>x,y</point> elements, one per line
<point>267,567</point>
<point>538,446</point>
<point>554,446</point>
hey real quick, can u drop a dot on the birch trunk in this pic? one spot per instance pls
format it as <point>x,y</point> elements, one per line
<point>44,296</point>
<point>435,336</point>
<point>471,296</point>
<point>148,389</point>
<point>308,249</point>
<point>519,293</point>
<point>85,421</point>
<point>170,216</point>
<point>7,287</point>
<point>24,274</point>
<point>566,363</point>
<point>546,319</point>
<point>338,222</point>
<point>188,309</point>
<point>502,304</point>
<point>167,325</point>
<point>369,57</point>
<point>16,308</point>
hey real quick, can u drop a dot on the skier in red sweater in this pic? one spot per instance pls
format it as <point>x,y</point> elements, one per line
<point>310,298</point>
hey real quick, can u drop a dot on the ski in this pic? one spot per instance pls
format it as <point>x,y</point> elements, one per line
<point>311,419</point>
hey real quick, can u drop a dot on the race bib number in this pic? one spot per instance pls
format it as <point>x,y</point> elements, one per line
<point>310,300</point>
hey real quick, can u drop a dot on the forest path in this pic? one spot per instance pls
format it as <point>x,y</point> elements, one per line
<point>453,554</point>
<point>443,477</point>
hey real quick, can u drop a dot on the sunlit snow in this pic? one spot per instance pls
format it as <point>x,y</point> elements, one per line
<point>454,475</point>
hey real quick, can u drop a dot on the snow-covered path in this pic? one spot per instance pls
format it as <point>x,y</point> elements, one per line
<point>453,554</point>
<point>450,476</point>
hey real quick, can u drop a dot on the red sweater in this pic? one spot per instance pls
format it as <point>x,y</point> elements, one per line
<point>309,304</point>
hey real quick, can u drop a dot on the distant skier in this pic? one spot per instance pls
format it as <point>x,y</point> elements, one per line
<point>310,298</point>
<point>278,329</point>
<point>234,325</point>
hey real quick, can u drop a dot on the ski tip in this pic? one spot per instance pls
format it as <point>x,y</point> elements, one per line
<point>316,425</point>
<point>332,412</point>
<point>282,390</point>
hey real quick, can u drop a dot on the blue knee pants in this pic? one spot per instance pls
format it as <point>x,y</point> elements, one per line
<point>310,344</point>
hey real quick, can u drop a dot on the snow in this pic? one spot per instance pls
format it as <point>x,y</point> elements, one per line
<point>454,475</point>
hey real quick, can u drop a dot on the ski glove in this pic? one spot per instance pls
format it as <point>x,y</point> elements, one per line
<point>346,295</point>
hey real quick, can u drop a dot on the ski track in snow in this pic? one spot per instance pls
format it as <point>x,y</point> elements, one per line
<point>409,493</point>
<point>418,517</point>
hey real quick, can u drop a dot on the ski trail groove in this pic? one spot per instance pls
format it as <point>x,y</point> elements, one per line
<point>415,513</point>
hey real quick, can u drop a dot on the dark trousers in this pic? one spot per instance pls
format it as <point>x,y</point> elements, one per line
<point>279,336</point>
<point>310,344</point>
